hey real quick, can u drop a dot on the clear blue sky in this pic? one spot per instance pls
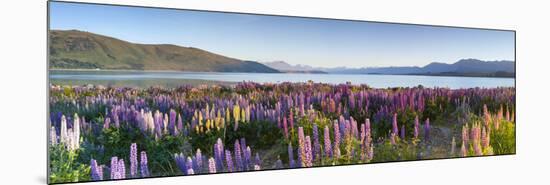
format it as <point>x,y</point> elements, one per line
<point>315,42</point>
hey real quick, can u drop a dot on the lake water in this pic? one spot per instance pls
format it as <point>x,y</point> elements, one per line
<point>377,81</point>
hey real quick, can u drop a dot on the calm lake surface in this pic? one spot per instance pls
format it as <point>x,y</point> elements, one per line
<point>377,81</point>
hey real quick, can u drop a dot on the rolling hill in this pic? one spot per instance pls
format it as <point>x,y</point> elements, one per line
<point>73,49</point>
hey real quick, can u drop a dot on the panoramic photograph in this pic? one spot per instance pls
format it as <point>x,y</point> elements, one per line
<point>140,92</point>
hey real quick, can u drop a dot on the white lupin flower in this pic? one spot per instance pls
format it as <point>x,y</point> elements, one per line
<point>76,132</point>
<point>165,123</point>
<point>53,136</point>
<point>68,137</point>
<point>63,132</point>
<point>69,144</point>
<point>150,121</point>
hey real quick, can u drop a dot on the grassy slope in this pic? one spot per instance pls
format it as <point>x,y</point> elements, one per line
<point>83,50</point>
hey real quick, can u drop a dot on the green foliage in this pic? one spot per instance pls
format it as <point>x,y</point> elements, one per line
<point>503,140</point>
<point>401,151</point>
<point>64,167</point>
<point>406,118</point>
<point>260,134</point>
<point>436,109</point>
<point>160,154</point>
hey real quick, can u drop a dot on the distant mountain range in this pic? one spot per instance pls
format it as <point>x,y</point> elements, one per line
<point>464,67</point>
<point>286,67</point>
<point>75,49</point>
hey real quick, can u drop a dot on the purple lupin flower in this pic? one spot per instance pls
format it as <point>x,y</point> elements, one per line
<point>189,164</point>
<point>279,164</point>
<point>143,165</point>
<point>121,169</point>
<point>427,129</point>
<point>291,156</point>
<point>238,156</point>
<point>211,165</point>
<point>316,144</point>
<point>114,168</point>
<point>95,170</point>
<point>133,160</point>
<point>172,122</point>
<point>328,148</point>
<point>219,154</point>
<point>229,161</point>
<point>198,158</point>
<point>243,151</point>
<point>395,129</point>
<point>416,127</point>
<point>181,162</point>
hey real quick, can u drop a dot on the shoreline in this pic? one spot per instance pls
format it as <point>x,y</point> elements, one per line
<point>213,72</point>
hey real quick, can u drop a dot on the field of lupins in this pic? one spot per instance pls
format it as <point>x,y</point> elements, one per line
<point>100,133</point>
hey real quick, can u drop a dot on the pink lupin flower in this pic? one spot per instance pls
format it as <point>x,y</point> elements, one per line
<point>309,152</point>
<point>427,129</point>
<point>463,151</point>
<point>395,130</point>
<point>301,145</point>
<point>133,160</point>
<point>106,123</point>
<point>285,127</point>
<point>328,147</point>
<point>465,135</point>
<point>211,165</point>
<point>121,169</point>
<point>114,168</point>
<point>486,115</point>
<point>392,138</point>
<point>485,138</point>
<point>416,127</point>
